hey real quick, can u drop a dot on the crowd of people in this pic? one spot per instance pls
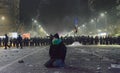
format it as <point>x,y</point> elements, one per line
<point>12,42</point>
<point>37,41</point>
<point>57,51</point>
<point>8,42</point>
<point>90,40</point>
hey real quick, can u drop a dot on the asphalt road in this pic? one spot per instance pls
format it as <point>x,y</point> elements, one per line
<point>79,59</point>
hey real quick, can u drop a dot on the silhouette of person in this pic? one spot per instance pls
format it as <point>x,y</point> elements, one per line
<point>57,53</point>
<point>6,41</point>
<point>19,41</point>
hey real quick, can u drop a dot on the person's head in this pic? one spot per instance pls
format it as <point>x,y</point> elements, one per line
<point>56,40</point>
<point>19,35</point>
<point>56,36</point>
<point>5,34</point>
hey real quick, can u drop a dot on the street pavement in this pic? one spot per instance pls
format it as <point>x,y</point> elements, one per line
<point>79,59</point>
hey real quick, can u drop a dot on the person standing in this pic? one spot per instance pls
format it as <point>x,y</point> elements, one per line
<point>19,41</point>
<point>6,41</point>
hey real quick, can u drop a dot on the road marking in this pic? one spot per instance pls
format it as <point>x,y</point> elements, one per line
<point>1,68</point>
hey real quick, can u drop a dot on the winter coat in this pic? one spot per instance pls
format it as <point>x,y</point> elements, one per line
<point>57,49</point>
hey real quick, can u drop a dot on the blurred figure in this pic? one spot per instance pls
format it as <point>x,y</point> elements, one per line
<point>6,41</point>
<point>51,38</point>
<point>57,53</point>
<point>19,41</point>
<point>0,42</point>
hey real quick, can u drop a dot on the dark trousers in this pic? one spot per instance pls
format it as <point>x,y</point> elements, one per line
<point>19,44</point>
<point>6,45</point>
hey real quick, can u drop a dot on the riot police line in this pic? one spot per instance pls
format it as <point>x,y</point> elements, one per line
<point>84,40</point>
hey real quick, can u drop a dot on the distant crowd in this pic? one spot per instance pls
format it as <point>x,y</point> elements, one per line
<point>13,42</point>
<point>90,40</point>
<point>84,40</point>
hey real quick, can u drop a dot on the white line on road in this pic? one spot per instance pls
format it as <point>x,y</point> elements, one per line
<point>1,68</point>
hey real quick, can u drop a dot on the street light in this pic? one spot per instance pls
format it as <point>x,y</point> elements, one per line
<point>39,26</point>
<point>92,20</point>
<point>35,21</point>
<point>102,14</point>
<point>83,28</point>
<point>2,18</point>
<point>83,25</point>
<point>93,23</point>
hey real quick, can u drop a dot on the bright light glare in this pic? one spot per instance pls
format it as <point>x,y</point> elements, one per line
<point>41,29</point>
<point>78,27</point>
<point>35,21</point>
<point>39,26</point>
<point>83,25</point>
<point>13,35</point>
<point>92,20</point>
<point>99,30</point>
<point>102,34</point>
<point>3,18</point>
<point>102,14</point>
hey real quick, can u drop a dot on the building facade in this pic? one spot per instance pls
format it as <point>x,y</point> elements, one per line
<point>9,16</point>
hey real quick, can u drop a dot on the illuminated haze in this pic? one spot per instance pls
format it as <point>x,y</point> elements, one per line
<point>55,15</point>
<point>58,15</point>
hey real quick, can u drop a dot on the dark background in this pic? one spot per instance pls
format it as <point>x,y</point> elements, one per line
<point>59,15</point>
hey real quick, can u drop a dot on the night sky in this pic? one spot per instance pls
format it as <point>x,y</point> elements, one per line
<point>58,15</point>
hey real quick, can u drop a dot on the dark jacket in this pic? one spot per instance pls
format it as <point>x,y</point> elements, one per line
<point>58,50</point>
<point>19,38</point>
<point>6,39</point>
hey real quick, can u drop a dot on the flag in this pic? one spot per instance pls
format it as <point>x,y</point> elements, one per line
<point>76,24</point>
<point>76,21</point>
